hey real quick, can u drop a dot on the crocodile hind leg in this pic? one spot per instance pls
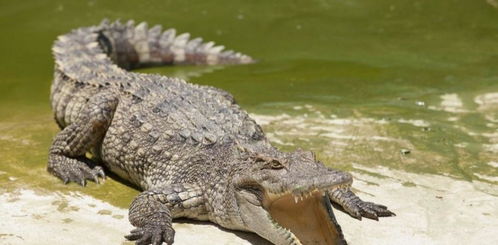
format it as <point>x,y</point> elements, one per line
<point>67,158</point>
<point>357,208</point>
<point>152,212</point>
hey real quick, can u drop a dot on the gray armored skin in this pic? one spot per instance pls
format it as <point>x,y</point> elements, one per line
<point>191,149</point>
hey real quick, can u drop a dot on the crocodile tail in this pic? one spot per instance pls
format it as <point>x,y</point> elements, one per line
<point>132,46</point>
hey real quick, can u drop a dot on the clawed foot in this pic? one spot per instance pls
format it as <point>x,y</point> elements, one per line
<point>75,170</point>
<point>354,206</point>
<point>369,210</point>
<point>152,234</point>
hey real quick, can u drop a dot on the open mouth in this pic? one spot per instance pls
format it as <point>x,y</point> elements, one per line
<point>309,217</point>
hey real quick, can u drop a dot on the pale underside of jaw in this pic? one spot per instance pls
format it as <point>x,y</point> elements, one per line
<point>307,217</point>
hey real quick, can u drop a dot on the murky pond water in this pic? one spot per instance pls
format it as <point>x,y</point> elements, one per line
<point>402,92</point>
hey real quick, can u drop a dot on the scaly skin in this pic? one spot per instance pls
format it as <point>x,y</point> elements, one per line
<point>190,148</point>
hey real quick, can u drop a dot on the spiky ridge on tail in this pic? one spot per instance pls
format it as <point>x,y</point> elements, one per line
<point>89,59</point>
<point>131,46</point>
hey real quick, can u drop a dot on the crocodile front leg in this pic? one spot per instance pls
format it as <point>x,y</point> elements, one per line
<point>153,210</point>
<point>354,206</point>
<point>67,158</point>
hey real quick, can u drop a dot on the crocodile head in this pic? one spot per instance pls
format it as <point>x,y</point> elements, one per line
<point>283,198</point>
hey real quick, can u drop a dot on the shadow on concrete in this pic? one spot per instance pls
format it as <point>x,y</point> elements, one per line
<point>249,237</point>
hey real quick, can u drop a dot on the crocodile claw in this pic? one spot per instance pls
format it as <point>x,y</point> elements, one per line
<point>76,170</point>
<point>152,234</point>
<point>347,201</point>
<point>369,210</point>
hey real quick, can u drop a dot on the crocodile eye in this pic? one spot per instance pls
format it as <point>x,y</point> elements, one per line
<point>274,164</point>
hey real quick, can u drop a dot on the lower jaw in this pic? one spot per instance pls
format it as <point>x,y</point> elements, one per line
<point>310,220</point>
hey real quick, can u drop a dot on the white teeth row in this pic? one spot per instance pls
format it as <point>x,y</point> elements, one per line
<point>302,196</point>
<point>292,238</point>
<point>275,195</point>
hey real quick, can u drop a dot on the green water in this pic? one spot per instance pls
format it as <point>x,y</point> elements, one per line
<point>361,80</point>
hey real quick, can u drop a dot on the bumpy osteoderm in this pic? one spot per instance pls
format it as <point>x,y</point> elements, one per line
<point>191,149</point>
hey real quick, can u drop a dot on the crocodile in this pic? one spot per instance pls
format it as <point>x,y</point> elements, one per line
<point>191,149</point>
